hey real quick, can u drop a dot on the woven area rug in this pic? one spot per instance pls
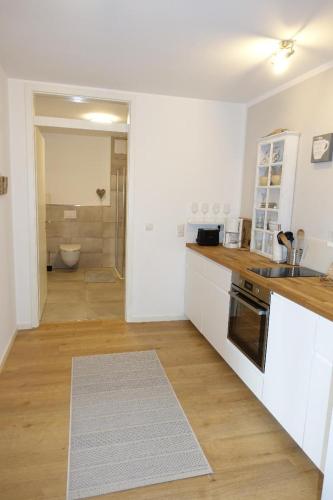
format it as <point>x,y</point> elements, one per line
<point>99,276</point>
<point>127,427</point>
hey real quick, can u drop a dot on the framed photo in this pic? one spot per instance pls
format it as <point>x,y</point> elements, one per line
<point>322,147</point>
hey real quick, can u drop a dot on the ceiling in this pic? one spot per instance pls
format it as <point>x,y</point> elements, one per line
<point>210,49</point>
<point>61,106</point>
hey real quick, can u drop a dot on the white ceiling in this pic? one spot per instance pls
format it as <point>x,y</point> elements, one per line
<point>211,49</point>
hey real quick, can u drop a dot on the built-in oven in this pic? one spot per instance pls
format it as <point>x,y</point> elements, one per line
<point>248,318</point>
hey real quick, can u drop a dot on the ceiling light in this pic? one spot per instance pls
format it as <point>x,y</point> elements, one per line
<point>77,98</point>
<point>100,117</point>
<point>281,58</point>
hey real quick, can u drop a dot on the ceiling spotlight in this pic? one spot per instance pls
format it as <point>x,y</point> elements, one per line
<point>100,117</point>
<point>77,98</point>
<point>281,58</point>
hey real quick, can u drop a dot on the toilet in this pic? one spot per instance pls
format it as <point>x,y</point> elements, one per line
<point>70,254</point>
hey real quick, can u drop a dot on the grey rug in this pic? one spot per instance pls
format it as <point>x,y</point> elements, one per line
<point>127,427</point>
<point>99,276</point>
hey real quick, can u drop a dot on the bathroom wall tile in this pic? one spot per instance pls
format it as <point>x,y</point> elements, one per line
<point>109,245</point>
<point>56,212</point>
<point>113,183</point>
<point>109,213</point>
<point>56,260</point>
<point>91,229</point>
<point>109,230</point>
<point>90,245</point>
<point>108,260</point>
<point>65,229</point>
<point>88,260</point>
<point>90,214</point>
<point>53,243</point>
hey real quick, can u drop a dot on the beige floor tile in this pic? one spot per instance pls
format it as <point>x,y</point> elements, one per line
<point>70,298</point>
<point>104,292</point>
<point>105,310</point>
<point>58,313</point>
<point>66,275</point>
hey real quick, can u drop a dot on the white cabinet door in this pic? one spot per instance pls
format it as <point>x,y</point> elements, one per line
<point>215,315</point>
<point>320,395</point>
<point>290,349</point>
<point>193,297</point>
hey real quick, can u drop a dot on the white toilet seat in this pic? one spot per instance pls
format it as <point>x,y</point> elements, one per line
<point>71,247</point>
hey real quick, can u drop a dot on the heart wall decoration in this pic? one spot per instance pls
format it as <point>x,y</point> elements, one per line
<point>100,193</point>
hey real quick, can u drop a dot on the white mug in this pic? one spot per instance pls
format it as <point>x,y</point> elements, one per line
<point>319,148</point>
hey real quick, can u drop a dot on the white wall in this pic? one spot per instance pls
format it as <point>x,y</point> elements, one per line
<point>308,109</point>
<point>76,165</point>
<point>185,150</point>
<point>180,150</point>
<point>7,300</point>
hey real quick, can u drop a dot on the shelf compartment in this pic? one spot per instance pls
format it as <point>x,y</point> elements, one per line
<point>278,152</point>
<point>265,154</point>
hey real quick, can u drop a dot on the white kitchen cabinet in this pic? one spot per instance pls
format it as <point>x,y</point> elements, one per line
<point>207,298</point>
<point>193,293</point>
<point>215,316</point>
<point>290,349</point>
<point>320,402</point>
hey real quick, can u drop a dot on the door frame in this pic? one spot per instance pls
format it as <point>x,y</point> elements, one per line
<point>32,88</point>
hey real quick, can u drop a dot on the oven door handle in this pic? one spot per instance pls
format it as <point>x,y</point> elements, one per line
<point>259,312</point>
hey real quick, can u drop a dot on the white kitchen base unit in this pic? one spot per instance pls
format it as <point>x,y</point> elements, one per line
<point>207,306</point>
<point>298,376</point>
<point>297,386</point>
<point>207,298</point>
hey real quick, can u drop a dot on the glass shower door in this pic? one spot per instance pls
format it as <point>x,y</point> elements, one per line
<point>120,229</point>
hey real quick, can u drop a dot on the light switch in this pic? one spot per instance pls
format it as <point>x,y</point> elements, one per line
<point>181,230</point>
<point>149,226</point>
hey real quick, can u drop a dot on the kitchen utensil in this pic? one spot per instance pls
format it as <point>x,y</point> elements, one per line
<point>300,239</point>
<point>283,240</point>
<point>295,256</point>
<point>290,236</point>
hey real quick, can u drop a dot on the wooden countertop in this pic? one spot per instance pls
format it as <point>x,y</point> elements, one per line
<point>308,292</point>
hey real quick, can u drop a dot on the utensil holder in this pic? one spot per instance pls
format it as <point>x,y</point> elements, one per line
<point>294,256</point>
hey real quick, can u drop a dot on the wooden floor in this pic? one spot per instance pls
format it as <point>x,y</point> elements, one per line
<point>252,457</point>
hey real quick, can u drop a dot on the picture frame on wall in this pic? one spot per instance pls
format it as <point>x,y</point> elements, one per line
<point>322,148</point>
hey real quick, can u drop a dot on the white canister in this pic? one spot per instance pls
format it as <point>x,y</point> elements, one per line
<point>279,251</point>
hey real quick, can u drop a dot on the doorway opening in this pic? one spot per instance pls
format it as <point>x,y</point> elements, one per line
<point>81,184</point>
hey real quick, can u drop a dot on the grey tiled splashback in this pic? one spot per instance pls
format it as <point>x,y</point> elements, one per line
<point>93,229</point>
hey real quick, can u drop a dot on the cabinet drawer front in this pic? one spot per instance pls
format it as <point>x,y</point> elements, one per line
<point>195,261</point>
<point>324,340</point>
<point>217,274</point>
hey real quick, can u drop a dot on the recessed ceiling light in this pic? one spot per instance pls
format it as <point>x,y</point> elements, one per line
<point>281,58</point>
<point>100,117</point>
<point>77,98</point>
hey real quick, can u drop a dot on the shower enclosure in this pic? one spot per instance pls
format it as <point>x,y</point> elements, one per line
<point>119,168</point>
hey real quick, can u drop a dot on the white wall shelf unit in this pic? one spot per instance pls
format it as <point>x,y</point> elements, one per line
<point>274,188</point>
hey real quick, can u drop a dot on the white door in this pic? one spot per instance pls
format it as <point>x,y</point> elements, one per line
<point>41,212</point>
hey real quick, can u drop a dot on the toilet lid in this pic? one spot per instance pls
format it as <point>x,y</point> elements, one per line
<point>73,247</point>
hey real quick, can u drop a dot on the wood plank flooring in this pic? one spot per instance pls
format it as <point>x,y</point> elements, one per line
<point>251,455</point>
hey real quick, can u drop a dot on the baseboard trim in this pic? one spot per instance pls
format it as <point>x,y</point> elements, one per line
<point>26,326</point>
<point>5,355</point>
<point>152,319</point>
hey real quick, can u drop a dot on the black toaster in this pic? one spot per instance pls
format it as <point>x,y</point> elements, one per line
<point>208,237</point>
